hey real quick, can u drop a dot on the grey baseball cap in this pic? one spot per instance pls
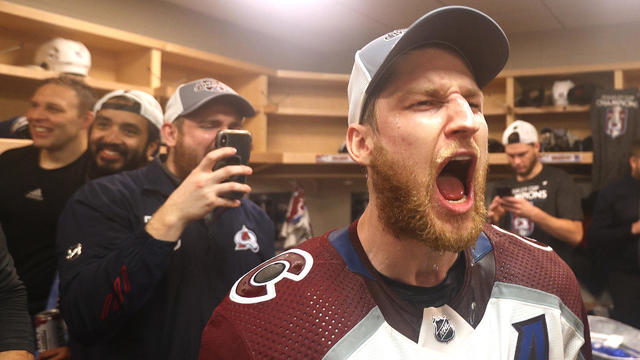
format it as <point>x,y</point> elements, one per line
<point>472,34</point>
<point>190,96</point>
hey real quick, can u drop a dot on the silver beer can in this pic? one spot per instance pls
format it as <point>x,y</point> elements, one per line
<point>49,330</point>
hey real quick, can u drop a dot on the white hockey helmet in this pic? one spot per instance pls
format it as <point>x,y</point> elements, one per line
<point>64,56</point>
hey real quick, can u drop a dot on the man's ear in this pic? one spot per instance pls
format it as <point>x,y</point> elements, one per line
<point>360,143</point>
<point>536,147</point>
<point>152,147</point>
<point>169,134</point>
<point>87,119</point>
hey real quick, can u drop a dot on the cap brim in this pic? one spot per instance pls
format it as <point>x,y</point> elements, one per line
<point>477,38</point>
<point>238,102</point>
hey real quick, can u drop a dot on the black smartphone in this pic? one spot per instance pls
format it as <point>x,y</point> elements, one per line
<point>503,191</point>
<point>241,140</point>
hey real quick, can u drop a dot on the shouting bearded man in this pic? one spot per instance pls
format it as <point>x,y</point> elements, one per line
<point>419,275</point>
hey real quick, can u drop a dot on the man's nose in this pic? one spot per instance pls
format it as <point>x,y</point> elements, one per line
<point>112,135</point>
<point>461,120</point>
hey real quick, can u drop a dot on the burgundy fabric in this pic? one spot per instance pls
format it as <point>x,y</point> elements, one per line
<point>312,318</point>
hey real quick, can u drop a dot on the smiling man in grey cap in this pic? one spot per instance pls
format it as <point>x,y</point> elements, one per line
<point>419,275</point>
<point>140,269</point>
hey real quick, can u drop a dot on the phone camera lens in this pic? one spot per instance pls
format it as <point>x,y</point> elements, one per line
<point>224,140</point>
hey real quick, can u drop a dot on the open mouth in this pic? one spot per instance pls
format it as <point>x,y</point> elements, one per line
<point>454,180</point>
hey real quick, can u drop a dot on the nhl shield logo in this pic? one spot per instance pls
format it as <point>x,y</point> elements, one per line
<point>616,123</point>
<point>246,239</point>
<point>443,330</point>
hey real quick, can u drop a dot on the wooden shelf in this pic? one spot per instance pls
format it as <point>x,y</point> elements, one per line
<point>301,158</point>
<point>578,158</point>
<point>494,112</point>
<point>570,69</point>
<point>43,23</point>
<point>311,77</point>
<point>273,109</point>
<point>6,144</point>
<point>36,74</point>
<point>551,109</point>
<point>192,58</point>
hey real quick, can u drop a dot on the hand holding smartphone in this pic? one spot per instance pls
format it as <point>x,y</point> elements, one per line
<point>241,141</point>
<point>503,191</point>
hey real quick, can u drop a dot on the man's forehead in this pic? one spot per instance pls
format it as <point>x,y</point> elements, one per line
<point>120,116</point>
<point>431,59</point>
<point>214,111</point>
<point>518,148</point>
<point>55,93</point>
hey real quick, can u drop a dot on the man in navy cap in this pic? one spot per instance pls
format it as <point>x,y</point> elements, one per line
<point>420,274</point>
<point>140,269</point>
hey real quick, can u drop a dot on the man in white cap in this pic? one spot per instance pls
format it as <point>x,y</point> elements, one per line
<point>539,202</point>
<point>125,133</point>
<point>420,274</point>
<point>140,268</point>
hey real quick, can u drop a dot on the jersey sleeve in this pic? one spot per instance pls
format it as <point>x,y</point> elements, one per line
<point>16,333</point>
<point>108,265</point>
<point>568,199</point>
<point>221,340</point>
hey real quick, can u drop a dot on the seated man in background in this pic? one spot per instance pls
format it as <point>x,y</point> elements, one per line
<point>420,275</point>
<point>140,268</point>
<point>541,202</point>
<point>614,233</point>
<point>125,133</point>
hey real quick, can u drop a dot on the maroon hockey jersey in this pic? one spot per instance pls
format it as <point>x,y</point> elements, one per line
<point>324,300</point>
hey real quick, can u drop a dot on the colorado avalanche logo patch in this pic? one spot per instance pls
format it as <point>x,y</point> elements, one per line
<point>260,284</point>
<point>616,123</point>
<point>443,330</point>
<point>246,239</point>
<point>522,226</point>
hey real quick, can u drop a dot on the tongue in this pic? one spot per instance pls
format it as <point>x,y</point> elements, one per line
<point>450,187</point>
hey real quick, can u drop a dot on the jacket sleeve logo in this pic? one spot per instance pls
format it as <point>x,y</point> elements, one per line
<point>259,284</point>
<point>246,239</point>
<point>74,252</point>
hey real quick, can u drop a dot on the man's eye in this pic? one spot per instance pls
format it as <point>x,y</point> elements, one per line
<point>54,109</point>
<point>425,103</point>
<point>475,105</point>
<point>209,125</point>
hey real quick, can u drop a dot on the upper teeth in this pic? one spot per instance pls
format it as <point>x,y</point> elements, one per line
<point>461,157</point>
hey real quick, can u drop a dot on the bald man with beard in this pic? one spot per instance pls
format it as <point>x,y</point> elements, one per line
<point>420,274</point>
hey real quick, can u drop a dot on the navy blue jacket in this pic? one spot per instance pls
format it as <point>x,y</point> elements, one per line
<point>126,295</point>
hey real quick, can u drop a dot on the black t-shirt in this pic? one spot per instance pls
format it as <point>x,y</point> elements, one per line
<point>423,297</point>
<point>553,191</point>
<point>31,200</point>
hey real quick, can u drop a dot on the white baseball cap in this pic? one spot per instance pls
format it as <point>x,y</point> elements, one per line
<point>64,56</point>
<point>190,96</point>
<point>145,105</point>
<point>526,133</point>
<point>476,37</point>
